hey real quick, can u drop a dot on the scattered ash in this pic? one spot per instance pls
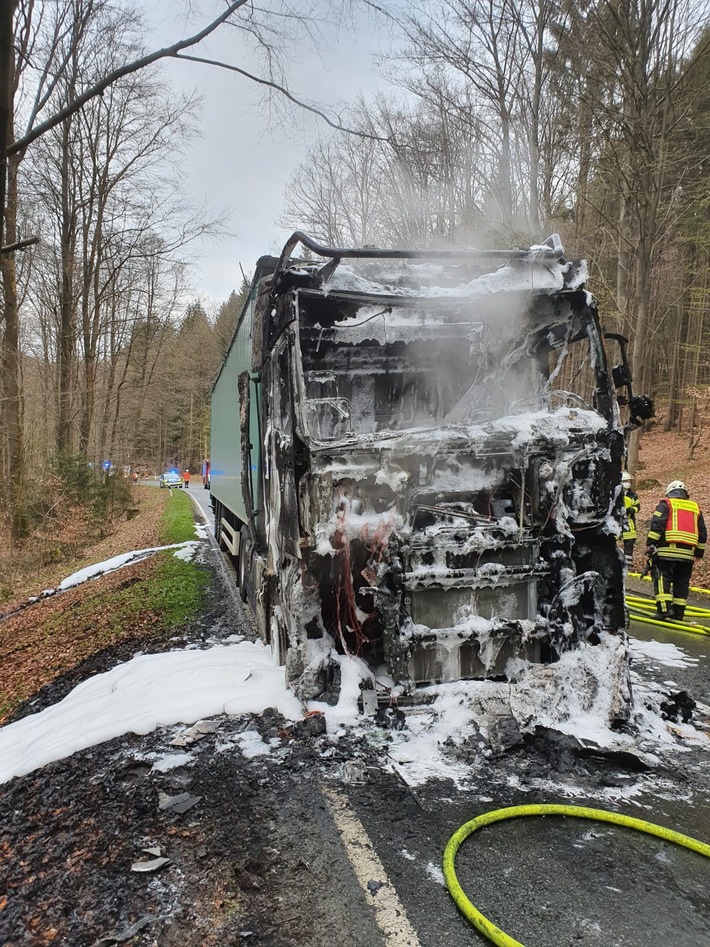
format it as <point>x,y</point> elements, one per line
<point>71,832</point>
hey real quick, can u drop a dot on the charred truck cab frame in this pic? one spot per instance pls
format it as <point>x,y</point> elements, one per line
<point>416,459</point>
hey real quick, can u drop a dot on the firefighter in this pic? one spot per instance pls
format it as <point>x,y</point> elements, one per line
<point>631,508</point>
<point>186,479</point>
<point>676,538</point>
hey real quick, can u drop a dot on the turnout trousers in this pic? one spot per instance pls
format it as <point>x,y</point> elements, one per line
<point>671,581</point>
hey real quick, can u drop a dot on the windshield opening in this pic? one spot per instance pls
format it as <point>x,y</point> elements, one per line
<point>404,367</point>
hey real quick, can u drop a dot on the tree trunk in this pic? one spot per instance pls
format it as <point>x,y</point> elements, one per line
<point>11,365</point>
<point>88,401</point>
<point>11,360</point>
<point>67,314</point>
<point>674,387</point>
<point>639,357</point>
<point>623,258</point>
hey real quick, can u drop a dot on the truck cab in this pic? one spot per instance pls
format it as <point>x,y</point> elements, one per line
<point>416,460</point>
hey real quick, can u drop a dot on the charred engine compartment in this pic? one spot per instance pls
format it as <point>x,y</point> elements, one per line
<point>443,470</point>
<point>441,585</point>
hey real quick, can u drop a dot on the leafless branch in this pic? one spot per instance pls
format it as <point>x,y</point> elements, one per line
<point>20,245</point>
<point>116,74</point>
<point>284,91</point>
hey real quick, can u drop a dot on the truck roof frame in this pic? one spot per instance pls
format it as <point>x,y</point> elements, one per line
<point>551,249</point>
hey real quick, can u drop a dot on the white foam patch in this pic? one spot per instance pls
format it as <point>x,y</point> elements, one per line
<point>171,761</point>
<point>116,562</point>
<point>150,691</point>
<point>188,551</point>
<point>251,744</point>
<point>662,652</point>
<point>436,874</point>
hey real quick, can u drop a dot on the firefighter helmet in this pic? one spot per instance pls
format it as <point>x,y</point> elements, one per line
<point>625,478</point>
<point>675,485</point>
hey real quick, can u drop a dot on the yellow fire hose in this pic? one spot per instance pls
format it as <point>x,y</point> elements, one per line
<point>647,578</point>
<point>645,619</point>
<point>643,610</point>
<point>481,923</point>
<point>635,601</point>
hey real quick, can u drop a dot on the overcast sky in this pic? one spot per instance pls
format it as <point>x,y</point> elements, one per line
<point>238,165</point>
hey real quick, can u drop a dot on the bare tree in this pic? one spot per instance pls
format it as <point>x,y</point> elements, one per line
<point>30,35</point>
<point>645,47</point>
<point>38,46</point>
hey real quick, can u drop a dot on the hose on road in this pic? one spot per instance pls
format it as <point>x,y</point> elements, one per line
<point>638,601</point>
<point>643,610</point>
<point>645,619</point>
<point>481,923</point>
<point>647,578</point>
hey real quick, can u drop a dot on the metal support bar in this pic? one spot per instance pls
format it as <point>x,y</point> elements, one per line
<point>230,536</point>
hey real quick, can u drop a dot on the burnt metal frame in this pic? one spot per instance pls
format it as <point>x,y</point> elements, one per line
<point>551,249</point>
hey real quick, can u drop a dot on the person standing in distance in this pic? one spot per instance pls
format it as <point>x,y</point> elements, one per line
<point>676,538</point>
<point>631,508</point>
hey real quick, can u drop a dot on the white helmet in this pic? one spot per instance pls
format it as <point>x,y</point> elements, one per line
<point>675,485</point>
<point>626,477</point>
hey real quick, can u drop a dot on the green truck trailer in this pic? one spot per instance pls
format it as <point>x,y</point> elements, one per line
<point>416,460</point>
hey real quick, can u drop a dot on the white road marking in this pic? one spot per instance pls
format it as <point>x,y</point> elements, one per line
<point>389,911</point>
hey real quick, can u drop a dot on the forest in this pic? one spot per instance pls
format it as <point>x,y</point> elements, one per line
<point>503,122</point>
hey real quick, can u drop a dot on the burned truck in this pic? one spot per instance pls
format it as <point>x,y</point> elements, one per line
<point>416,459</point>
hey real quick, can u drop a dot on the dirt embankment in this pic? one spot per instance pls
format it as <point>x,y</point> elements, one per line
<point>87,629</point>
<point>69,543</point>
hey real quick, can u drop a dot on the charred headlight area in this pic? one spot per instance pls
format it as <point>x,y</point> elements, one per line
<point>578,511</point>
<point>586,495</point>
<point>583,600</point>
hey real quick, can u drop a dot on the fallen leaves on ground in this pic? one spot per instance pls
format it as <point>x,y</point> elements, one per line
<point>52,636</point>
<point>28,575</point>
<point>55,634</point>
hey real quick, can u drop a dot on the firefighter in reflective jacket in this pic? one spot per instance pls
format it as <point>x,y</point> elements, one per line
<point>631,508</point>
<point>676,538</point>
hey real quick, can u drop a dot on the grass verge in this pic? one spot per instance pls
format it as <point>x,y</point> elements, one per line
<point>148,600</point>
<point>177,524</point>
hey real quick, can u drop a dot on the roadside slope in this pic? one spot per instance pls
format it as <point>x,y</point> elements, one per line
<point>143,606</point>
